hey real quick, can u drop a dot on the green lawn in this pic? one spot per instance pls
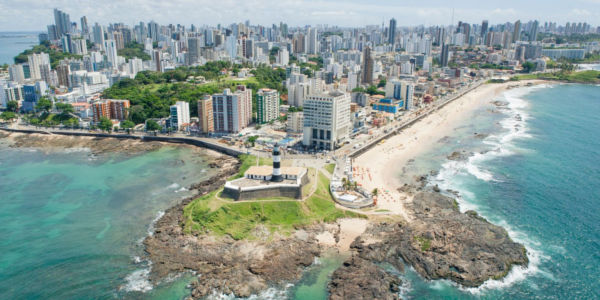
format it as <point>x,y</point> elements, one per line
<point>590,76</point>
<point>210,214</point>
<point>330,168</point>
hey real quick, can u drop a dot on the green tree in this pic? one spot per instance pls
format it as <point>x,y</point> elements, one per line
<point>151,125</point>
<point>105,124</point>
<point>44,104</point>
<point>127,124</point>
<point>8,115</point>
<point>528,67</point>
<point>65,108</point>
<point>382,83</point>
<point>12,106</point>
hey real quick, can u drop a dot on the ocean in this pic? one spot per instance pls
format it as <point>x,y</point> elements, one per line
<point>13,43</point>
<point>72,223</point>
<point>537,174</point>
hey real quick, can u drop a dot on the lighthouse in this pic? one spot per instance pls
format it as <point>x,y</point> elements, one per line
<point>276,177</point>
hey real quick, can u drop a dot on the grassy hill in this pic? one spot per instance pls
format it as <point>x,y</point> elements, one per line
<point>215,215</point>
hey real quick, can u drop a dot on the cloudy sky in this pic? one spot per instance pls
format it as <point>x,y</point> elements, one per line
<point>36,14</point>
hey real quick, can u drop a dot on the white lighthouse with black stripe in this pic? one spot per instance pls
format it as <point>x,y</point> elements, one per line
<point>276,177</point>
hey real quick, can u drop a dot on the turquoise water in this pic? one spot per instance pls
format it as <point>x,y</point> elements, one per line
<point>13,43</point>
<point>313,284</point>
<point>537,175</point>
<point>72,224</point>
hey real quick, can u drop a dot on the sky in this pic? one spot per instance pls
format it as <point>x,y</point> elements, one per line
<point>34,15</point>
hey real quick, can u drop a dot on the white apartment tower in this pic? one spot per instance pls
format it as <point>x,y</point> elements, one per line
<point>180,114</point>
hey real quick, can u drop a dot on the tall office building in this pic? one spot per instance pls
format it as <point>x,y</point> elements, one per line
<point>205,115</point>
<point>62,22</point>
<point>367,66</point>
<point>484,28</point>
<point>445,55</point>
<point>392,32</point>
<point>326,120</point>
<point>180,114</point>
<point>85,30</point>
<point>312,42</point>
<point>267,105</point>
<point>517,32</point>
<point>229,112</point>
<point>111,52</point>
<point>533,32</point>
<point>52,34</point>
<point>98,35</point>
<point>193,54</point>
<point>153,31</point>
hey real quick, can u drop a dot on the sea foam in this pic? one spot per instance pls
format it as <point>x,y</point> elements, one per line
<point>138,281</point>
<point>502,144</point>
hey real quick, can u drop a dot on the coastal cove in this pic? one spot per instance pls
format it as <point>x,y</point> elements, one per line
<point>74,218</point>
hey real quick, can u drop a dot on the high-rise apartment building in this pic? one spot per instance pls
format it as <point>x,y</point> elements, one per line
<point>326,120</point>
<point>85,29</point>
<point>267,105</point>
<point>367,66</point>
<point>111,52</point>
<point>109,108</point>
<point>230,110</point>
<point>205,115</point>
<point>312,42</point>
<point>16,73</point>
<point>517,32</point>
<point>62,22</point>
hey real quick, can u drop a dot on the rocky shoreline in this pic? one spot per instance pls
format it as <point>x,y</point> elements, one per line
<point>95,145</point>
<point>441,243</point>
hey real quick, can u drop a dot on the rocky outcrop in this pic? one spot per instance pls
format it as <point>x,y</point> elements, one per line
<point>441,242</point>
<point>223,264</point>
<point>96,146</point>
<point>359,278</point>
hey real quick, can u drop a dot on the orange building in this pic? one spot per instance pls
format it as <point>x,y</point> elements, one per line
<point>205,115</point>
<point>112,109</point>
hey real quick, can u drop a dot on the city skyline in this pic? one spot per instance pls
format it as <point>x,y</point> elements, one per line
<point>34,15</point>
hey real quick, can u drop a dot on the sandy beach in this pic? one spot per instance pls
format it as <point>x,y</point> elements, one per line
<point>383,162</point>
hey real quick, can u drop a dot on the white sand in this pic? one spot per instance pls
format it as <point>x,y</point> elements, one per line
<point>384,161</point>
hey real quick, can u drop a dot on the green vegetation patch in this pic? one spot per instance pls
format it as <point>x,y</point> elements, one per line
<point>214,215</point>
<point>423,242</point>
<point>330,168</point>
<point>55,55</point>
<point>132,50</point>
<point>590,76</point>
